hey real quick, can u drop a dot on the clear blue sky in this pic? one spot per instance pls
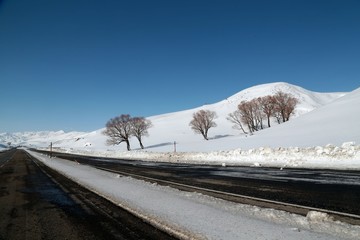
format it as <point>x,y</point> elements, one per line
<point>73,64</point>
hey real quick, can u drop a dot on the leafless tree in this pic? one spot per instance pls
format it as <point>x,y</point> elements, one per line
<point>292,102</point>
<point>251,114</point>
<point>235,118</point>
<point>285,104</point>
<point>246,114</point>
<point>118,130</point>
<point>277,116</point>
<point>258,113</point>
<point>139,128</point>
<point>202,121</point>
<point>267,104</point>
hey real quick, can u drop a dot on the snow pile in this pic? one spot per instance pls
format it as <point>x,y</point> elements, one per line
<point>345,157</point>
<point>194,215</point>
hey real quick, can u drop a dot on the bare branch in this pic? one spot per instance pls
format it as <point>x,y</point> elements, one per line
<point>235,118</point>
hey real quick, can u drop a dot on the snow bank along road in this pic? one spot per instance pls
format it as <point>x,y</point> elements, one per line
<point>190,215</point>
<point>33,206</point>
<point>326,189</point>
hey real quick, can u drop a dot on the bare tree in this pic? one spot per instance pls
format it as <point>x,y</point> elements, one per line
<point>235,118</point>
<point>290,107</point>
<point>246,115</point>
<point>251,114</point>
<point>267,104</point>
<point>277,115</point>
<point>139,128</point>
<point>202,121</point>
<point>258,113</point>
<point>118,130</point>
<point>285,104</point>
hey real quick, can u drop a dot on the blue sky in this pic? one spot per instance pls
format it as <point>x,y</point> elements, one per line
<point>72,65</point>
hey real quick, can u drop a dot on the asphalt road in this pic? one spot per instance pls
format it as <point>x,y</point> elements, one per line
<point>327,189</point>
<point>34,206</point>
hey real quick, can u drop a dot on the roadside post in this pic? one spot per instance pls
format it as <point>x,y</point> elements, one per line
<point>50,149</point>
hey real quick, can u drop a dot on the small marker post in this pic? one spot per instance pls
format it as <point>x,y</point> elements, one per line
<point>50,149</point>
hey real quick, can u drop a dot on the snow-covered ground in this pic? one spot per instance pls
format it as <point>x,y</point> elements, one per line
<point>197,216</point>
<point>322,133</point>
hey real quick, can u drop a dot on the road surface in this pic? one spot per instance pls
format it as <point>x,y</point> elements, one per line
<point>38,205</point>
<point>326,189</point>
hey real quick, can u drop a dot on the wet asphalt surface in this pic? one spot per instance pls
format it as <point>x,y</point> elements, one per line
<point>326,189</point>
<point>34,206</point>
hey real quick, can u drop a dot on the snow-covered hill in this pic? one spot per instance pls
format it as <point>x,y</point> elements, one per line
<point>171,127</point>
<point>308,100</point>
<point>175,126</point>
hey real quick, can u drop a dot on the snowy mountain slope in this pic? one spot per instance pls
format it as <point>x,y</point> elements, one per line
<point>308,100</point>
<point>334,123</point>
<point>175,126</point>
<point>171,127</point>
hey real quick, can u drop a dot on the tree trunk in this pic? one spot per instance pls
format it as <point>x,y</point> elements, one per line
<point>127,144</point>
<point>268,121</point>
<point>205,136</point>
<point>283,116</point>
<point>140,142</point>
<point>243,129</point>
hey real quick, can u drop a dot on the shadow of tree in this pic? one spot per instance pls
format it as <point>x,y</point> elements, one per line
<point>220,136</point>
<point>160,145</point>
